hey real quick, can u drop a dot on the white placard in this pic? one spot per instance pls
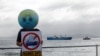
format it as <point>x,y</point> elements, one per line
<point>31,40</point>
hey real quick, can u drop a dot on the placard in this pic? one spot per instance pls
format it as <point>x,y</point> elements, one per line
<point>31,43</point>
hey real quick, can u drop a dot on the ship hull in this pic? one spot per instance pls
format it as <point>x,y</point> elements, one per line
<point>62,38</point>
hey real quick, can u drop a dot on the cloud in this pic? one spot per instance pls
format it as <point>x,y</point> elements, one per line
<point>54,6</point>
<point>55,16</point>
<point>75,18</point>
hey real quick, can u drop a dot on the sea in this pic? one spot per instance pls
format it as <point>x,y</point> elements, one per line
<point>78,47</point>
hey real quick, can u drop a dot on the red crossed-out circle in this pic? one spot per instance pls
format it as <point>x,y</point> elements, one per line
<point>36,36</point>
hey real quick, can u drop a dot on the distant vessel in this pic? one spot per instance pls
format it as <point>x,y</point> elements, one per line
<point>86,38</point>
<point>59,38</point>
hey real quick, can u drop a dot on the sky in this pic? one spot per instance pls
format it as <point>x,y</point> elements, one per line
<point>58,17</point>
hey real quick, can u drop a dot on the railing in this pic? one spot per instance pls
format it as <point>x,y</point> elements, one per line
<point>82,50</point>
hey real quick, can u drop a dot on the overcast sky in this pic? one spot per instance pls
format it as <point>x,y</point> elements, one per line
<point>55,16</point>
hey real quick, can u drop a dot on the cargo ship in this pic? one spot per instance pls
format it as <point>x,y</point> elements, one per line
<point>86,38</point>
<point>58,38</point>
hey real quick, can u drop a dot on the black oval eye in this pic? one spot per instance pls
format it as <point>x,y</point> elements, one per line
<point>24,19</point>
<point>30,19</point>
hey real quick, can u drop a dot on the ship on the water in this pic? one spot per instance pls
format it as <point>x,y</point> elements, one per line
<point>86,38</point>
<point>58,38</point>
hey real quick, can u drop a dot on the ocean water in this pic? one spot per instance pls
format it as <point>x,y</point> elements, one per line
<point>73,51</point>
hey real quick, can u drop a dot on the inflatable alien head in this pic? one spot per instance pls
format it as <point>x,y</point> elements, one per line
<point>28,19</point>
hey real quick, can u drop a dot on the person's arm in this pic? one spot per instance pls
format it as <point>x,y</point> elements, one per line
<point>41,41</point>
<point>18,43</point>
